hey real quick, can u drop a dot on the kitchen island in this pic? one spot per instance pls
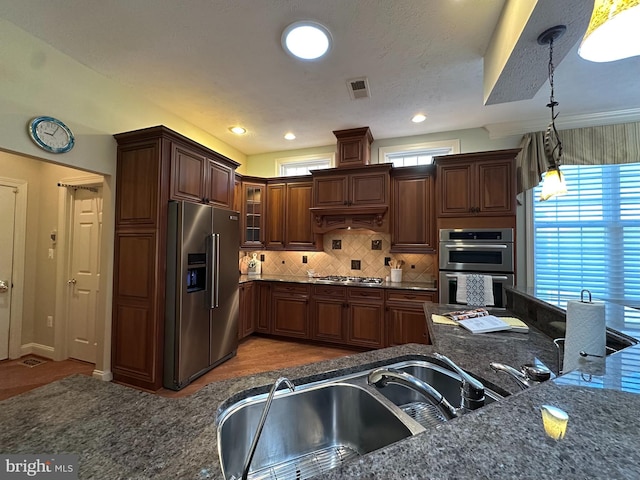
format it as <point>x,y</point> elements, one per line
<point>119,432</point>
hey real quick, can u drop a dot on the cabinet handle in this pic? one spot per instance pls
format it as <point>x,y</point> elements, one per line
<point>345,203</point>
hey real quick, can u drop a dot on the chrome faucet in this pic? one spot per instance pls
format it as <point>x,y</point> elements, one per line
<point>381,377</point>
<point>263,418</point>
<point>528,375</point>
<point>472,390</point>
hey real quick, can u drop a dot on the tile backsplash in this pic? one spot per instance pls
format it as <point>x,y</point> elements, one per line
<point>340,249</point>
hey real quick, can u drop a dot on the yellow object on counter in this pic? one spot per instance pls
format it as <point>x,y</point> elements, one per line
<point>555,421</point>
<point>441,319</point>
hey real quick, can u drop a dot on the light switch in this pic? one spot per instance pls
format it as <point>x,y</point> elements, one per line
<point>51,253</point>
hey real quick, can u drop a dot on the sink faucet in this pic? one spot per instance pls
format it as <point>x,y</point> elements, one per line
<point>528,375</point>
<point>263,418</point>
<point>472,391</point>
<point>381,377</point>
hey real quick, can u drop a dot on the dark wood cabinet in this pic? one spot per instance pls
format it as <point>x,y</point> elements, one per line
<point>154,165</point>
<point>351,197</point>
<point>290,310</point>
<point>354,147</point>
<point>413,220</point>
<point>197,178</point>
<point>252,213</point>
<point>246,309</point>
<point>329,314</point>
<point>365,317</point>
<point>405,317</point>
<point>477,184</point>
<point>276,199</point>
<point>262,297</point>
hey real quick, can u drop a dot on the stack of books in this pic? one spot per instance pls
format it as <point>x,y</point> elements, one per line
<point>479,320</point>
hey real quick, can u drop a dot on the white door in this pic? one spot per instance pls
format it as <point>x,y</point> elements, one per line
<point>7,225</point>
<point>84,279</point>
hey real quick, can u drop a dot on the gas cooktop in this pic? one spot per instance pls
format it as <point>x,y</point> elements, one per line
<point>342,279</point>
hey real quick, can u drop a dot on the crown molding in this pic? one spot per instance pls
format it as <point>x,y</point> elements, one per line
<point>565,122</point>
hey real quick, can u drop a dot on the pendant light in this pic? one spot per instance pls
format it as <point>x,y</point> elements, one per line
<point>613,32</point>
<point>553,181</point>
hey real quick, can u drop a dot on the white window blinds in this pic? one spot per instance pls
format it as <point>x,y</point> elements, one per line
<point>590,238</point>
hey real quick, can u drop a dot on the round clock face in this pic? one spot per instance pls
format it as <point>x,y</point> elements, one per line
<point>51,134</point>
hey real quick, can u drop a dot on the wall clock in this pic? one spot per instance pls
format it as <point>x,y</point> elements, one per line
<point>51,134</point>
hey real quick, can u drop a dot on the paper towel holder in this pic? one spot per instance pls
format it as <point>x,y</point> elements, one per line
<point>582,295</point>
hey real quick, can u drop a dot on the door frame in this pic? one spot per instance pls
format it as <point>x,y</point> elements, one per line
<point>17,270</point>
<point>65,223</point>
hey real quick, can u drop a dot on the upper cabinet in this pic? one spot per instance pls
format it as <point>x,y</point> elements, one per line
<point>252,213</point>
<point>354,147</point>
<point>288,222</point>
<point>477,184</point>
<point>196,177</point>
<point>413,221</point>
<point>351,197</point>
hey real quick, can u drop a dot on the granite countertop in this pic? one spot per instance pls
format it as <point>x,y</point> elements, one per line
<point>120,432</point>
<point>426,286</point>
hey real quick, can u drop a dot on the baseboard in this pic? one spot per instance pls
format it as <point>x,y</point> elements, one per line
<point>101,375</point>
<point>37,349</point>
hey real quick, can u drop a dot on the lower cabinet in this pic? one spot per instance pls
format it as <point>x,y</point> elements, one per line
<point>246,309</point>
<point>329,314</point>
<point>365,317</point>
<point>405,316</point>
<point>290,310</point>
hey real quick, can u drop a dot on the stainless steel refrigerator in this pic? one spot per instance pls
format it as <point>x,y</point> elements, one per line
<point>202,291</point>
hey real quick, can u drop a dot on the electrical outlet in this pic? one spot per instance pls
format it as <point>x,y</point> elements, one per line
<point>336,244</point>
<point>413,266</point>
<point>376,244</point>
<point>262,257</point>
<point>304,259</point>
<point>355,264</point>
<point>387,260</point>
<point>49,321</point>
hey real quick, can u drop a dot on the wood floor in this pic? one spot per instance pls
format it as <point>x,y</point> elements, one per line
<point>255,355</point>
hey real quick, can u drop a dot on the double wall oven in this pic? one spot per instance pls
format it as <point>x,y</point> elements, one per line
<point>479,251</point>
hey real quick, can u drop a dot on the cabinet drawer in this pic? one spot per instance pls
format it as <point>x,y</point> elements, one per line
<point>365,293</point>
<point>290,288</point>
<point>410,296</point>
<point>339,293</point>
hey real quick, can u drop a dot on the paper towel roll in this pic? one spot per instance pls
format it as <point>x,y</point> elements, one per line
<point>586,331</point>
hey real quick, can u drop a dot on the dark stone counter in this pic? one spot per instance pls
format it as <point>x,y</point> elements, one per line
<point>423,286</point>
<point>119,432</point>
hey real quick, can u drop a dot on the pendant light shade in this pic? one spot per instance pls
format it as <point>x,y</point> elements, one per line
<point>613,32</point>
<point>553,184</point>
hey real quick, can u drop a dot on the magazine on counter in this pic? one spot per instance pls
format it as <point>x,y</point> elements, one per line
<point>464,314</point>
<point>485,324</point>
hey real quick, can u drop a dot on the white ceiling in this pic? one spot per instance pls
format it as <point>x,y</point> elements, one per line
<point>217,63</point>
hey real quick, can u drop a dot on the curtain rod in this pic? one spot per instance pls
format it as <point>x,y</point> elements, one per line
<point>82,187</point>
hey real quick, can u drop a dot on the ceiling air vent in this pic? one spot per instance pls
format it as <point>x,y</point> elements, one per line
<point>358,88</point>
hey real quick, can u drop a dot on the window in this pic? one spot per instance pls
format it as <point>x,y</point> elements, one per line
<point>417,153</point>
<point>589,238</point>
<point>291,166</point>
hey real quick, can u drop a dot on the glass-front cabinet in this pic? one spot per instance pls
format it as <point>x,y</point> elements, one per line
<point>252,215</point>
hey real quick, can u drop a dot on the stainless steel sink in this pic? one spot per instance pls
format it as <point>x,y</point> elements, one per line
<point>307,432</point>
<point>319,426</point>
<point>415,405</point>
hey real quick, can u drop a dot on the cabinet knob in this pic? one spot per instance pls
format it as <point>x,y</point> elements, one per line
<point>345,203</point>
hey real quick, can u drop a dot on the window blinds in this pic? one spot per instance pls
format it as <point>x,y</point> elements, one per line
<point>590,238</point>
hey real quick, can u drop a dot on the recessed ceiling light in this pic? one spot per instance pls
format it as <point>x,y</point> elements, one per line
<point>289,136</point>
<point>306,40</point>
<point>418,118</point>
<point>238,130</point>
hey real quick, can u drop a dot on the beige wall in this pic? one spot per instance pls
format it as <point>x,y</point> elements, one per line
<point>42,217</point>
<point>471,140</point>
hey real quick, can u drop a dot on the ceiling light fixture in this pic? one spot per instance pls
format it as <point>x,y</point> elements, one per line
<point>419,118</point>
<point>306,40</point>
<point>238,130</point>
<point>554,184</point>
<point>613,32</point>
<point>289,136</point>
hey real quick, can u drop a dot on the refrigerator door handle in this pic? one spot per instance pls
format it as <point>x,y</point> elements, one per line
<point>214,268</point>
